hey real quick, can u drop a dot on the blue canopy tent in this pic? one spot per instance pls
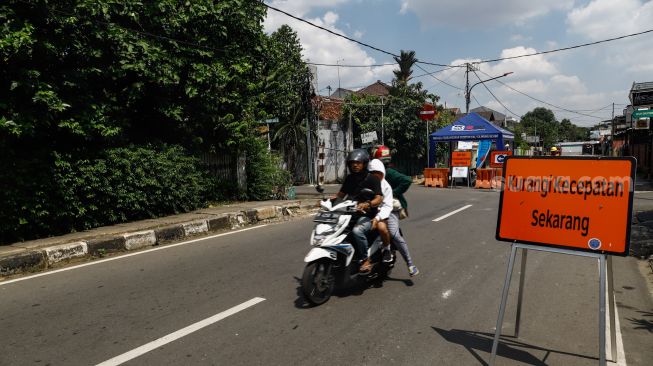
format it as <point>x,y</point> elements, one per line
<point>471,127</point>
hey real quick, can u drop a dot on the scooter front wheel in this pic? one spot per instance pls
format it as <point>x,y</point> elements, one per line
<point>318,281</point>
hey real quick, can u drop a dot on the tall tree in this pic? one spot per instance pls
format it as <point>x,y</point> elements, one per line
<point>541,122</point>
<point>88,73</point>
<point>405,61</point>
<point>404,132</point>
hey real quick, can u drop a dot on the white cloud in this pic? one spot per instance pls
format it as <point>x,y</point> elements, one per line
<point>300,8</point>
<point>520,38</point>
<point>602,19</point>
<point>480,14</point>
<point>358,34</point>
<point>322,47</point>
<point>538,76</point>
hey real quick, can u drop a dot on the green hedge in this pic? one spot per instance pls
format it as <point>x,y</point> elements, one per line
<point>265,178</point>
<point>61,193</point>
<point>67,194</point>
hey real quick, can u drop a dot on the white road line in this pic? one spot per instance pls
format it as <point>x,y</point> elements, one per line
<point>127,356</point>
<point>452,213</point>
<point>621,354</point>
<point>127,255</point>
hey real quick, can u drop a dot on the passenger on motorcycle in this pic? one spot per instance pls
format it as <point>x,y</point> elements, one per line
<point>357,180</point>
<point>400,184</point>
<point>380,221</point>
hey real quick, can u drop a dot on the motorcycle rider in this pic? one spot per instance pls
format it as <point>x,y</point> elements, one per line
<point>400,184</point>
<point>357,180</point>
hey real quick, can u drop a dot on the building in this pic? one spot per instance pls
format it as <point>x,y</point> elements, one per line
<point>334,140</point>
<point>378,88</point>
<point>638,140</point>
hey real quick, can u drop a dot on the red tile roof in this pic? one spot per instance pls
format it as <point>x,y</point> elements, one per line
<point>379,88</point>
<point>329,108</point>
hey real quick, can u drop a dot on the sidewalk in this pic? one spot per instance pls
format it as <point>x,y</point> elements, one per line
<point>43,253</point>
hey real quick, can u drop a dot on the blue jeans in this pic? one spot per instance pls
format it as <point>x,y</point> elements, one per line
<point>359,233</point>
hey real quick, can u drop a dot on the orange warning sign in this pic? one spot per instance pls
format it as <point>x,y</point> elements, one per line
<point>576,203</point>
<point>461,158</point>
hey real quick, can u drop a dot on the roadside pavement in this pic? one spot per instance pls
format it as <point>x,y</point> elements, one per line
<point>36,255</point>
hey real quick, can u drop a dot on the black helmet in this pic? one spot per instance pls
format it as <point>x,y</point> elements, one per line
<point>359,155</point>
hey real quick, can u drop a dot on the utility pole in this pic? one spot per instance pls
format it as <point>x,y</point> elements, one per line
<point>613,128</point>
<point>467,88</point>
<point>382,140</point>
<point>338,63</point>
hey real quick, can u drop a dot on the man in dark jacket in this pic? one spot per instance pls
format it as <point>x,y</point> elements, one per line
<point>356,181</point>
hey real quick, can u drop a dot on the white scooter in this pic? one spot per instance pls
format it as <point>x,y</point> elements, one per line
<point>330,262</point>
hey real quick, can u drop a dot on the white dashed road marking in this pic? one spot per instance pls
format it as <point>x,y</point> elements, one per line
<point>127,356</point>
<point>452,213</point>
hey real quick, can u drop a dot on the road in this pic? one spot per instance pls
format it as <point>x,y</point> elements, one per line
<point>233,300</point>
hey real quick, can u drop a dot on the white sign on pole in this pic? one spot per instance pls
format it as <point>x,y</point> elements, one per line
<point>465,145</point>
<point>459,172</point>
<point>369,137</point>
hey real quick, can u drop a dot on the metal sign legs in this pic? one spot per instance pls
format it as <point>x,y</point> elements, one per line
<point>605,265</point>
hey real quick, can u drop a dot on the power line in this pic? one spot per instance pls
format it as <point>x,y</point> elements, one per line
<point>447,78</point>
<point>495,97</point>
<point>568,48</point>
<point>341,65</point>
<point>541,101</point>
<point>440,80</point>
<point>328,30</point>
<point>347,38</point>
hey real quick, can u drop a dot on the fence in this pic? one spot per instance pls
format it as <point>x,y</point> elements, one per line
<point>227,167</point>
<point>222,166</point>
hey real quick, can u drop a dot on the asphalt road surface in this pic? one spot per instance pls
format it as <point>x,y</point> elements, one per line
<point>234,299</point>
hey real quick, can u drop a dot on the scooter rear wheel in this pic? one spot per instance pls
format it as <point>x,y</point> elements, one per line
<point>318,281</point>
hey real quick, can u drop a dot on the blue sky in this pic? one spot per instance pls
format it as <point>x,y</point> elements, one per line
<point>586,80</point>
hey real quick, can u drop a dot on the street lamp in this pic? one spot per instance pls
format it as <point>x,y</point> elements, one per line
<point>469,91</point>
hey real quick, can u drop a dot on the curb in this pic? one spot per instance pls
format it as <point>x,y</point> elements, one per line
<point>33,260</point>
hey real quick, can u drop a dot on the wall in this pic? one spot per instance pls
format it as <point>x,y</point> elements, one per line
<point>332,145</point>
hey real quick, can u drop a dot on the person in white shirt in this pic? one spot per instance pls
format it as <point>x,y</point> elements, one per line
<point>379,222</point>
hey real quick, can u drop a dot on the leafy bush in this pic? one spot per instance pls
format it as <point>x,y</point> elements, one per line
<point>266,179</point>
<point>121,184</point>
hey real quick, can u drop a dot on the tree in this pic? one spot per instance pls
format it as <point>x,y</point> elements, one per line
<point>288,95</point>
<point>541,122</point>
<point>80,78</point>
<point>405,61</point>
<point>404,132</point>
<point>88,73</point>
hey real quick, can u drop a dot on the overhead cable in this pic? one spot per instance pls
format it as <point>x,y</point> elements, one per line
<point>567,48</point>
<point>434,77</point>
<point>342,65</point>
<point>540,100</point>
<point>495,97</point>
<point>348,38</point>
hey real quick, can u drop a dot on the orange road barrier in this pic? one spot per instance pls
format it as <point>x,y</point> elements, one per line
<point>436,177</point>
<point>428,177</point>
<point>484,178</point>
<point>497,181</point>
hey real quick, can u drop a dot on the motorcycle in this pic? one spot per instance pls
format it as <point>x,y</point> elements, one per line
<point>330,262</point>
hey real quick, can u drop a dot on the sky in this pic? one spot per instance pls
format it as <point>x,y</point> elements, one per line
<point>586,81</point>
